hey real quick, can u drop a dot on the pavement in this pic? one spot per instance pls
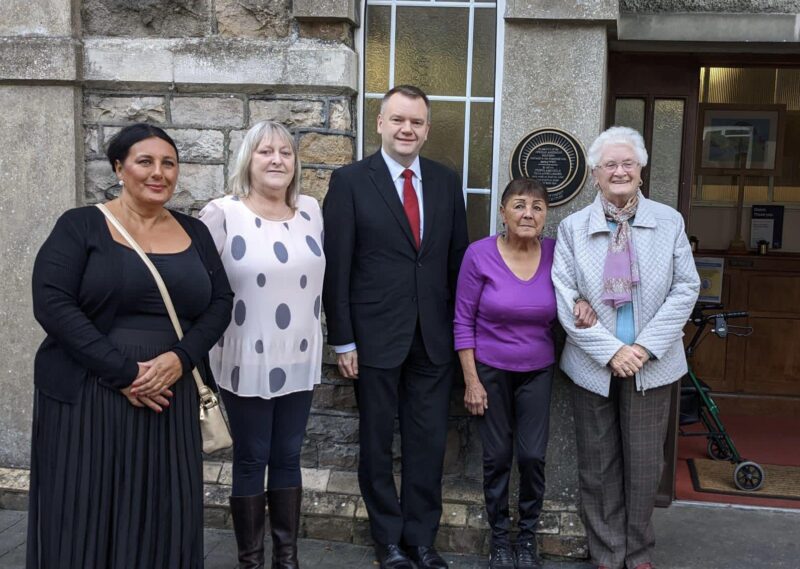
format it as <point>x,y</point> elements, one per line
<point>690,536</point>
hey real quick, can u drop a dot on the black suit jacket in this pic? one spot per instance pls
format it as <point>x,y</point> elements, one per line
<point>77,279</point>
<point>377,285</point>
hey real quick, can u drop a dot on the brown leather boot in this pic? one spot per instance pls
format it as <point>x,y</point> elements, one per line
<point>248,525</point>
<point>284,521</point>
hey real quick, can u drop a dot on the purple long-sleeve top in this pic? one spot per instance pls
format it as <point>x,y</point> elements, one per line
<point>506,320</point>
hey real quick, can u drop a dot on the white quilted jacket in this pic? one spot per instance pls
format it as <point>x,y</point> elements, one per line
<point>662,300</point>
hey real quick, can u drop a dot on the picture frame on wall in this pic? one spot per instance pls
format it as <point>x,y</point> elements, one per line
<point>746,139</point>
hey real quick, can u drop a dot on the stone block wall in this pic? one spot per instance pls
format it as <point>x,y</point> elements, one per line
<point>256,19</point>
<point>208,129</point>
<point>332,433</point>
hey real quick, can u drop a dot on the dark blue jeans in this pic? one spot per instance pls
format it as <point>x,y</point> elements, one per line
<point>266,432</point>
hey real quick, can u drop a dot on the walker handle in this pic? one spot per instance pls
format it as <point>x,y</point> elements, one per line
<point>729,315</point>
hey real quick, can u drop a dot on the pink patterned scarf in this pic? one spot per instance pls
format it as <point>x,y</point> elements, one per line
<point>621,270</point>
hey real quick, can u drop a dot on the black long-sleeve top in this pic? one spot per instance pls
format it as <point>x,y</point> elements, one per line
<point>77,279</point>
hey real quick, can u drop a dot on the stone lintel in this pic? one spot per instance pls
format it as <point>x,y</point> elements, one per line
<point>710,27</point>
<point>563,10</point>
<point>268,65</point>
<point>326,10</point>
<point>38,59</point>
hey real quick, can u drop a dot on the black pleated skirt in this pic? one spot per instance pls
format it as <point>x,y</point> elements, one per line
<point>115,486</point>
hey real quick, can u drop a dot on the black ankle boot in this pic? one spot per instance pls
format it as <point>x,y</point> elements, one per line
<point>248,525</point>
<point>284,521</point>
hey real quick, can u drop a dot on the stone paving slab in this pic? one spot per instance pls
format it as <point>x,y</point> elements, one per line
<point>690,536</point>
<point>220,550</point>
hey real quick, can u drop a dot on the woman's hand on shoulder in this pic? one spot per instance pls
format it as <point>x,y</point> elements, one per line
<point>585,316</point>
<point>475,399</point>
<point>160,373</point>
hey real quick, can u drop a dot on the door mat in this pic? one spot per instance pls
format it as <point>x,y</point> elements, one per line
<point>717,477</point>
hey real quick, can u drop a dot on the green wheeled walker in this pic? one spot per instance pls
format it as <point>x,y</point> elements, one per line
<point>697,405</point>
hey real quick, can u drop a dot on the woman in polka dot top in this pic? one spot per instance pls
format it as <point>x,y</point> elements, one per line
<point>269,359</point>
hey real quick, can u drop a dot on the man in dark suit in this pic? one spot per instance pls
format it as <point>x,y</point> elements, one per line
<point>395,234</point>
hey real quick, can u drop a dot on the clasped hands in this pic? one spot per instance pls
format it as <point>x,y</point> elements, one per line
<point>628,360</point>
<point>151,388</point>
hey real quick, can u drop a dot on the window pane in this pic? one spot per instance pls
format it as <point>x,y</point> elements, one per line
<point>478,215</point>
<point>483,46</point>
<point>757,190</point>
<point>787,185</point>
<point>372,140</point>
<point>446,140</point>
<point>630,113</point>
<point>445,143</point>
<point>481,123</point>
<point>787,194</point>
<point>726,188</point>
<point>749,86</point>
<point>665,162</point>
<point>787,90</point>
<point>377,48</point>
<point>431,49</point>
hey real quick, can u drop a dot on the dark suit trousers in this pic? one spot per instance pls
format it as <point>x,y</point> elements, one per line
<point>620,442</point>
<point>419,392</point>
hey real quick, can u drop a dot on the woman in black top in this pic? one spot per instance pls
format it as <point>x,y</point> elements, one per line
<point>116,463</point>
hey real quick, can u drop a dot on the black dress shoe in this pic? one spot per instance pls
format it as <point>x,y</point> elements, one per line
<point>527,556</point>
<point>391,556</point>
<point>501,556</point>
<point>426,557</point>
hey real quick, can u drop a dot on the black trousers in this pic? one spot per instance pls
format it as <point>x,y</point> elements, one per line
<point>518,415</point>
<point>419,392</point>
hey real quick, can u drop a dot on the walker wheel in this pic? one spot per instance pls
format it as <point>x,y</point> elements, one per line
<point>748,476</point>
<point>718,449</point>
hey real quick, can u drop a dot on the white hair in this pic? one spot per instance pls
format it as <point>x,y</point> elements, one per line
<point>239,180</point>
<point>617,135</point>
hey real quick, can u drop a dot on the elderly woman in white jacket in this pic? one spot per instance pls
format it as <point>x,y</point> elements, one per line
<point>629,258</point>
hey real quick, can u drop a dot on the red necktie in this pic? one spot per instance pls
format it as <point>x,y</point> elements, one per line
<point>411,205</point>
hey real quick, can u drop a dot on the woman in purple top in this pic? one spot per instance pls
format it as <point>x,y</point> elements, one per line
<point>505,311</point>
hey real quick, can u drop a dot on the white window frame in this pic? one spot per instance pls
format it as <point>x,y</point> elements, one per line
<point>360,39</point>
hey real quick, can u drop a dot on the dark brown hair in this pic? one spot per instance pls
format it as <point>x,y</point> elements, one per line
<point>524,187</point>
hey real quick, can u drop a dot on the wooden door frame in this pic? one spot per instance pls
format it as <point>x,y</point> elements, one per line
<point>625,83</point>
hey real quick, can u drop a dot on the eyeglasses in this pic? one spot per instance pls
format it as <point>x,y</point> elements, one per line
<point>611,167</point>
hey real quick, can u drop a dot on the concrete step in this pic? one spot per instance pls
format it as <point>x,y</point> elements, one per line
<point>333,510</point>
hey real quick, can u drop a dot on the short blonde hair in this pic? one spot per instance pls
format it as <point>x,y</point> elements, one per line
<point>239,181</point>
<point>617,135</point>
